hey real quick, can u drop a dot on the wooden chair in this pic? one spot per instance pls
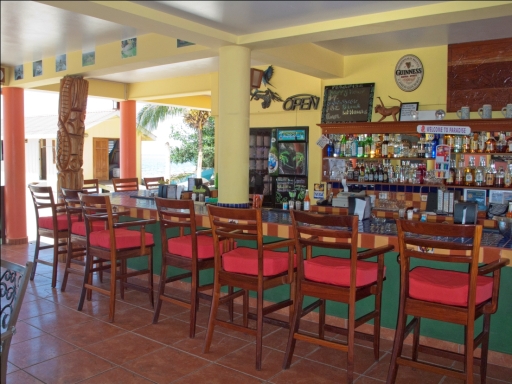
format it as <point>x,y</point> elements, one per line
<point>53,226</point>
<point>91,186</point>
<point>249,269</point>
<point>152,182</point>
<point>186,195</point>
<point>14,281</point>
<point>116,244</point>
<point>341,279</point>
<point>193,252</point>
<point>444,295</point>
<point>129,184</point>
<point>77,240</point>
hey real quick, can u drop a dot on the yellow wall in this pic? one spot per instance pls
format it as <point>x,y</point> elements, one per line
<point>370,68</point>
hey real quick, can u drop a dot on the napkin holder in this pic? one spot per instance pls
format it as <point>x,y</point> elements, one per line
<point>361,206</point>
<point>465,213</point>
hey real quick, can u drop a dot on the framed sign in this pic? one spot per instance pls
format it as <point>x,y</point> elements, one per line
<point>409,73</point>
<point>406,110</point>
<point>348,103</point>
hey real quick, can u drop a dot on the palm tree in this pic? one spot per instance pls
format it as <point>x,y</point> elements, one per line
<point>150,115</point>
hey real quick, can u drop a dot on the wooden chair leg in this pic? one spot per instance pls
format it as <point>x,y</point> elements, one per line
<point>36,256</point>
<point>112,304</point>
<point>485,348</point>
<point>150,278</point>
<point>321,319</point>
<point>161,290</point>
<point>397,345</point>
<point>231,304</point>
<point>123,279</point>
<point>245,310</point>
<point>351,342</point>
<point>259,330</point>
<point>88,266</point>
<point>376,325</point>
<point>468,352</point>
<point>416,339</point>
<point>69,256</point>
<point>194,303</point>
<point>294,328</point>
<point>55,262</point>
<point>213,317</point>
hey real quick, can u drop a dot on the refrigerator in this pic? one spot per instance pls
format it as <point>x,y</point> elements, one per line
<point>278,164</point>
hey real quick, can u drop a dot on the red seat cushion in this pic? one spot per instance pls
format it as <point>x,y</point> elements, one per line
<point>245,260</point>
<point>62,222</point>
<point>183,246</point>
<point>446,287</point>
<point>336,271</point>
<point>124,238</point>
<point>78,227</point>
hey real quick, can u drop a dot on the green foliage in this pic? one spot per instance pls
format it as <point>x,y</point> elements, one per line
<point>299,159</point>
<point>188,150</point>
<point>283,157</point>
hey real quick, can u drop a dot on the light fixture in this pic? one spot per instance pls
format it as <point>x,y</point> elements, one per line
<point>256,77</point>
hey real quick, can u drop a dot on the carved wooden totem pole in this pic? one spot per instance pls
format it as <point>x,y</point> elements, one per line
<point>70,136</point>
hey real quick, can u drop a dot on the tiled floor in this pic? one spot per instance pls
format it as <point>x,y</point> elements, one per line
<point>55,343</point>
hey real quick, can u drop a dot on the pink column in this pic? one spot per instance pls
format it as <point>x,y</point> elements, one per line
<point>14,163</point>
<point>128,144</point>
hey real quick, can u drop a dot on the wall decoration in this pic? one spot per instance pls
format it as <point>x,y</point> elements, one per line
<point>61,63</point>
<point>88,58</point>
<point>18,72</point>
<point>391,111</point>
<point>406,110</point>
<point>128,48</point>
<point>479,73</point>
<point>183,43</point>
<point>303,101</point>
<point>37,68</point>
<point>268,95</point>
<point>348,103</point>
<point>409,73</point>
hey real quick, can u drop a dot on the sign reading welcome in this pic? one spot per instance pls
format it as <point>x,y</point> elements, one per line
<point>348,103</point>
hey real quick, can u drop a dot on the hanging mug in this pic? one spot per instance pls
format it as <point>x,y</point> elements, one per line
<point>507,111</point>
<point>486,111</point>
<point>463,113</point>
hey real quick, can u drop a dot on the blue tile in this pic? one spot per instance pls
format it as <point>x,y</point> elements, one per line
<point>401,188</point>
<point>408,188</point>
<point>378,187</point>
<point>392,188</point>
<point>416,189</point>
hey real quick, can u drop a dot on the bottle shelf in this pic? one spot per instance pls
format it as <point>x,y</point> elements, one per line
<point>377,158</point>
<point>448,187</point>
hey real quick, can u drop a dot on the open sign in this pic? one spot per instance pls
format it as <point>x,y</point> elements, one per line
<point>303,101</point>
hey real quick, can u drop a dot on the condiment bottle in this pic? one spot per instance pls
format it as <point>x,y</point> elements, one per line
<point>509,213</point>
<point>307,202</point>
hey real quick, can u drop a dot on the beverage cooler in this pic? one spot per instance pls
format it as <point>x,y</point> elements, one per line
<point>278,164</point>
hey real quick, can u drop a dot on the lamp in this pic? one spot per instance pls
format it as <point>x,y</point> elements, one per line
<point>256,76</point>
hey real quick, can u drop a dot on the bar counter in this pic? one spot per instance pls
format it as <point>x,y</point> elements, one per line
<point>277,224</point>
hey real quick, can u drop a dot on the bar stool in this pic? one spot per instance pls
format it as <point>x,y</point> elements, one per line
<point>193,252</point>
<point>444,295</point>
<point>91,186</point>
<point>54,227</point>
<point>127,184</point>
<point>249,269</point>
<point>116,244</point>
<point>345,280</point>
<point>152,182</point>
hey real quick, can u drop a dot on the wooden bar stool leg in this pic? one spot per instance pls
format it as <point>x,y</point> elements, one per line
<point>294,328</point>
<point>151,292</point>
<point>36,256</point>
<point>398,344</point>
<point>122,272</point>
<point>376,325</point>
<point>416,339</point>
<point>55,261</point>
<point>468,352</point>
<point>69,255</point>
<point>161,290</point>
<point>194,301</point>
<point>321,319</point>
<point>246,308</point>
<point>230,304</point>
<point>259,330</point>
<point>113,281</point>
<point>485,347</point>
<point>213,317</point>
<point>351,342</point>
<point>88,266</point>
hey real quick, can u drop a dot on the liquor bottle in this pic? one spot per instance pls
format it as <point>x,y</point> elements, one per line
<point>481,142</point>
<point>474,143</point>
<point>355,144</point>
<point>509,145</point>
<point>421,171</point>
<point>508,176</point>
<point>459,172</point>
<point>330,149</point>
<point>376,149</point>
<point>391,147</point>
<point>360,147</point>
<point>337,145</point>
<point>421,148</point>
<point>385,172</point>
<point>307,202</point>
<point>450,180</point>
<point>362,172</point>
<point>469,172</point>
<point>367,146</point>
<point>457,144</point>
<point>501,144</point>
<point>357,170</point>
<point>384,146</point>
<point>435,143</point>
<point>428,148</point>
<point>466,144</point>
<point>380,174</point>
<point>490,175</point>
<point>499,181</point>
<point>480,173</point>
<point>450,140</point>
<point>350,171</point>
<point>343,146</point>
<point>509,213</point>
<point>490,144</point>
<point>368,171</point>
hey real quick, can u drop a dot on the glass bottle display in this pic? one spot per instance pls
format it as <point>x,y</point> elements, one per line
<point>343,145</point>
<point>337,148</point>
<point>458,144</point>
<point>355,145</point>
<point>509,145</point>
<point>384,146</point>
<point>459,172</point>
<point>507,182</point>
<point>360,147</point>
<point>450,180</point>
<point>490,175</point>
<point>421,148</point>
<point>473,143</point>
<point>499,181</point>
<point>490,144</point>
<point>480,173</point>
<point>466,144</point>
<point>391,147</point>
<point>368,146</point>
<point>481,142</point>
<point>435,143</point>
<point>469,172</point>
<point>509,213</point>
<point>330,149</point>
<point>501,144</point>
<point>397,145</point>
<point>428,148</point>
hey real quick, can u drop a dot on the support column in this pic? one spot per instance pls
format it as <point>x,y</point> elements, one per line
<point>14,163</point>
<point>128,142</point>
<point>233,126</point>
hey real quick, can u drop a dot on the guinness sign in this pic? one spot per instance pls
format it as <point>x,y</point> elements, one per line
<point>409,73</point>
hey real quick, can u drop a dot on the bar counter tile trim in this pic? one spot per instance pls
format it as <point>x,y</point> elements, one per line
<point>233,205</point>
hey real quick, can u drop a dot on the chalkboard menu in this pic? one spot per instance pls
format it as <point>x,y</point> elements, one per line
<point>348,103</point>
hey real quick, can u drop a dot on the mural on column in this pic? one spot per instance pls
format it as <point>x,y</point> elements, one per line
<point>70,136</point>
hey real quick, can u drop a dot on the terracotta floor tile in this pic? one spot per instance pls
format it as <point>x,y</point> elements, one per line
<point>217,374</point>
<point>156,366</point>
<point>170,309</point>
<point>29,297</point>
<point>62,318</point>
<point>363,358</point>
<point>168,331</point>
<point>21,377</point>
<point>132,318</point>
<point>123,348</point>
<point>244,360</point>
<point>11,368</point>
<point>25,332</point>
<point>99,307</point>
<point>116,376</point>
<point>36,308</point>
<point>69,368</point>
<point>37,350</point>
<point>493,371</point>
<point>279,340</point>
<point>305,371</point>
<point>88,333</point>
<point>221,345</point>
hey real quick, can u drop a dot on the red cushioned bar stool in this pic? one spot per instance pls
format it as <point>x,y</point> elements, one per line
<point>116,244</point>
<point>444,294</point>
<point>52,222</point>
<point>191,250</point>
<point>335,278</point>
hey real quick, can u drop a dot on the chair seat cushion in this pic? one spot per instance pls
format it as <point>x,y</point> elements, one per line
<point>182,246</point>
<point>245,260</point>
<point>446,287</point>
<point>78,227</point>
<point>62,222</point>
<point>124,239</point>
<point>336,271</point>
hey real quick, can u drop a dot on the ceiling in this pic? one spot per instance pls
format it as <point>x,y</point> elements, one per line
<point>32,30</point>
